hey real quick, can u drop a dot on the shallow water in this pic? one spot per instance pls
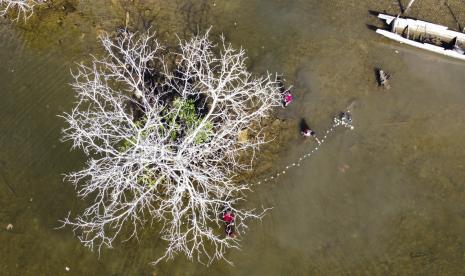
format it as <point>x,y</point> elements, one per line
<point>386,198</point>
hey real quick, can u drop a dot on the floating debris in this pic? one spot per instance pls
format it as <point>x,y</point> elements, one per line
<point>9,227</point>
<point>343,168</point>
<point>382,77</point>
<point>346,118</point>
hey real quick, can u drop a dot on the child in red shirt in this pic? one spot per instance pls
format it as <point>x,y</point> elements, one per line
<point>228,218</point>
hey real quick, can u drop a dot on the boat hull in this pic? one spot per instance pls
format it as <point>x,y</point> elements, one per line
<point>408,31</point>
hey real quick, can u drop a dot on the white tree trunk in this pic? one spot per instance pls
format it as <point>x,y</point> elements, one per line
<point>180,184</point>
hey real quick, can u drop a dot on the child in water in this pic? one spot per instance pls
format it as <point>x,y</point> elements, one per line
<point>308,132</point>
<point>228,218</point>
<point>287,98</point>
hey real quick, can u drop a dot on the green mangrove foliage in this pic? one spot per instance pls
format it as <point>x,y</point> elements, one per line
<point>187,120</point>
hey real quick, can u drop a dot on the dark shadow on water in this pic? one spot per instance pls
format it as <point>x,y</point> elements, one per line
<point>303,125</point>
<point>374,13</point>
<point>371,27</point>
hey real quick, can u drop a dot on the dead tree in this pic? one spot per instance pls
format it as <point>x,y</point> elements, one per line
<point>161,168</point>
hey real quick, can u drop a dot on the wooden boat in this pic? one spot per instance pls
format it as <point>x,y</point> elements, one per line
<point>424,35</point>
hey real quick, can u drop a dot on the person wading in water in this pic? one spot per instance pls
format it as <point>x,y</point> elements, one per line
<point>287,97</point>
<point>306,131</point>
<point>228,218</point>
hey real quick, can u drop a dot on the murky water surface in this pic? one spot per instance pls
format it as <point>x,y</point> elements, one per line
<point>384,199</point>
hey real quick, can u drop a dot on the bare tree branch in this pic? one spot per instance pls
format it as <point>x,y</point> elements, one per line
<point>164,166</point>
<point>20,8</point>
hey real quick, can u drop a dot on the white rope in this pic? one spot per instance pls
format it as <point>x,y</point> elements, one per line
<point>343,121</point>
